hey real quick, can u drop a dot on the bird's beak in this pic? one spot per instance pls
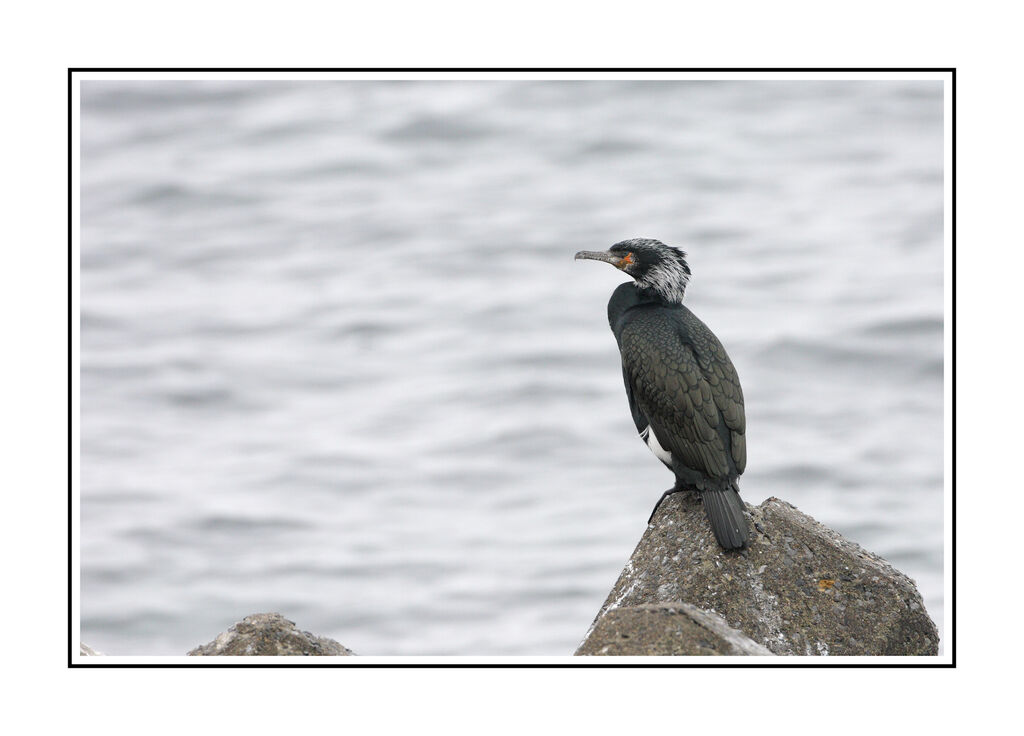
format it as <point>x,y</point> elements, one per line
<point>599,255</point>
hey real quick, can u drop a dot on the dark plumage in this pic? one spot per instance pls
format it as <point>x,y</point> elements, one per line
<point>683,391</point>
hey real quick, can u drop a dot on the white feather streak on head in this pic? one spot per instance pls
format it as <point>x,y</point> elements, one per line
<point>669,278</point>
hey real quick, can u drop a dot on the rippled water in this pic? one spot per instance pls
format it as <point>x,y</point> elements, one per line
<point>338,361</point>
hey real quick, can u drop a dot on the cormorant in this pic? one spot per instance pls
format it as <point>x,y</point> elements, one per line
<point>683,390</point>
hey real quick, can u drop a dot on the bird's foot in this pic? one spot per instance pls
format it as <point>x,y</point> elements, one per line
<point>664,495</point>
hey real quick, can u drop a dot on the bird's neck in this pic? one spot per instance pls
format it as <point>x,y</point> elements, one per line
<point>628,296</point>
<point>666,295</point>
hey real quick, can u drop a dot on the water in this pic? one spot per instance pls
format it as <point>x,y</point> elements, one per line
<point>338,361</point>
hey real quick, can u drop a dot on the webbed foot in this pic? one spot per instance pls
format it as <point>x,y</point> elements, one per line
<point>664,495</point>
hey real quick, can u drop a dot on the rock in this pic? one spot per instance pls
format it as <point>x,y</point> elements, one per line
<point>269,634</point>
<point>666,629</point>
<point>87,651</point>
<point>799,589</point>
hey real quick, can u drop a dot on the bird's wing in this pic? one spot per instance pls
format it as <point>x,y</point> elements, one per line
<point>680,377</point>
<point>721,375</point>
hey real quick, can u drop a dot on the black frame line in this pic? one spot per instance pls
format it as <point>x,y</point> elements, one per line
<point>72,659</point>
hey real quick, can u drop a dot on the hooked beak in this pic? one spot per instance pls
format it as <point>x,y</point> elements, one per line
<point>600,255</point>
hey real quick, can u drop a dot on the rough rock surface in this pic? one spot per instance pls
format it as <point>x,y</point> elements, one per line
<point>269,634</point>
<point>799,589</point>
<point>666,629</point>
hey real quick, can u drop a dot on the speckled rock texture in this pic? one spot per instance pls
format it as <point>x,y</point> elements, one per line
<point>798,589</point>
<point>667,629</point>
<point>269,634</point>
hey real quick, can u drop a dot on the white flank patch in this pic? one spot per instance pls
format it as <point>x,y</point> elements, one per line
<point>652,443</point>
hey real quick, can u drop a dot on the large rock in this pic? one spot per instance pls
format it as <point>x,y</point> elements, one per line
<point>666,629</point>
<point>269,634</point>
<point>800,588</point>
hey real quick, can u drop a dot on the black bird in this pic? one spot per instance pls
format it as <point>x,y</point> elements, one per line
<point>683,390</point>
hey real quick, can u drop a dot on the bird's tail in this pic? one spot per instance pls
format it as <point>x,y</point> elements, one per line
<point>725,512</point>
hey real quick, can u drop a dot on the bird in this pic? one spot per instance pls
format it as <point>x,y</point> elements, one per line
<point>683,390</point>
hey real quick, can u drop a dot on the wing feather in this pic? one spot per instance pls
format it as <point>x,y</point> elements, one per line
<point>680,379</point>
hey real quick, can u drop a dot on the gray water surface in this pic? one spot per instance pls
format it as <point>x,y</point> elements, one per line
<point>338,361</point>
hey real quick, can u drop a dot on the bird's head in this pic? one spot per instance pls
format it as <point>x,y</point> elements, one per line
<point>651,263</point>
